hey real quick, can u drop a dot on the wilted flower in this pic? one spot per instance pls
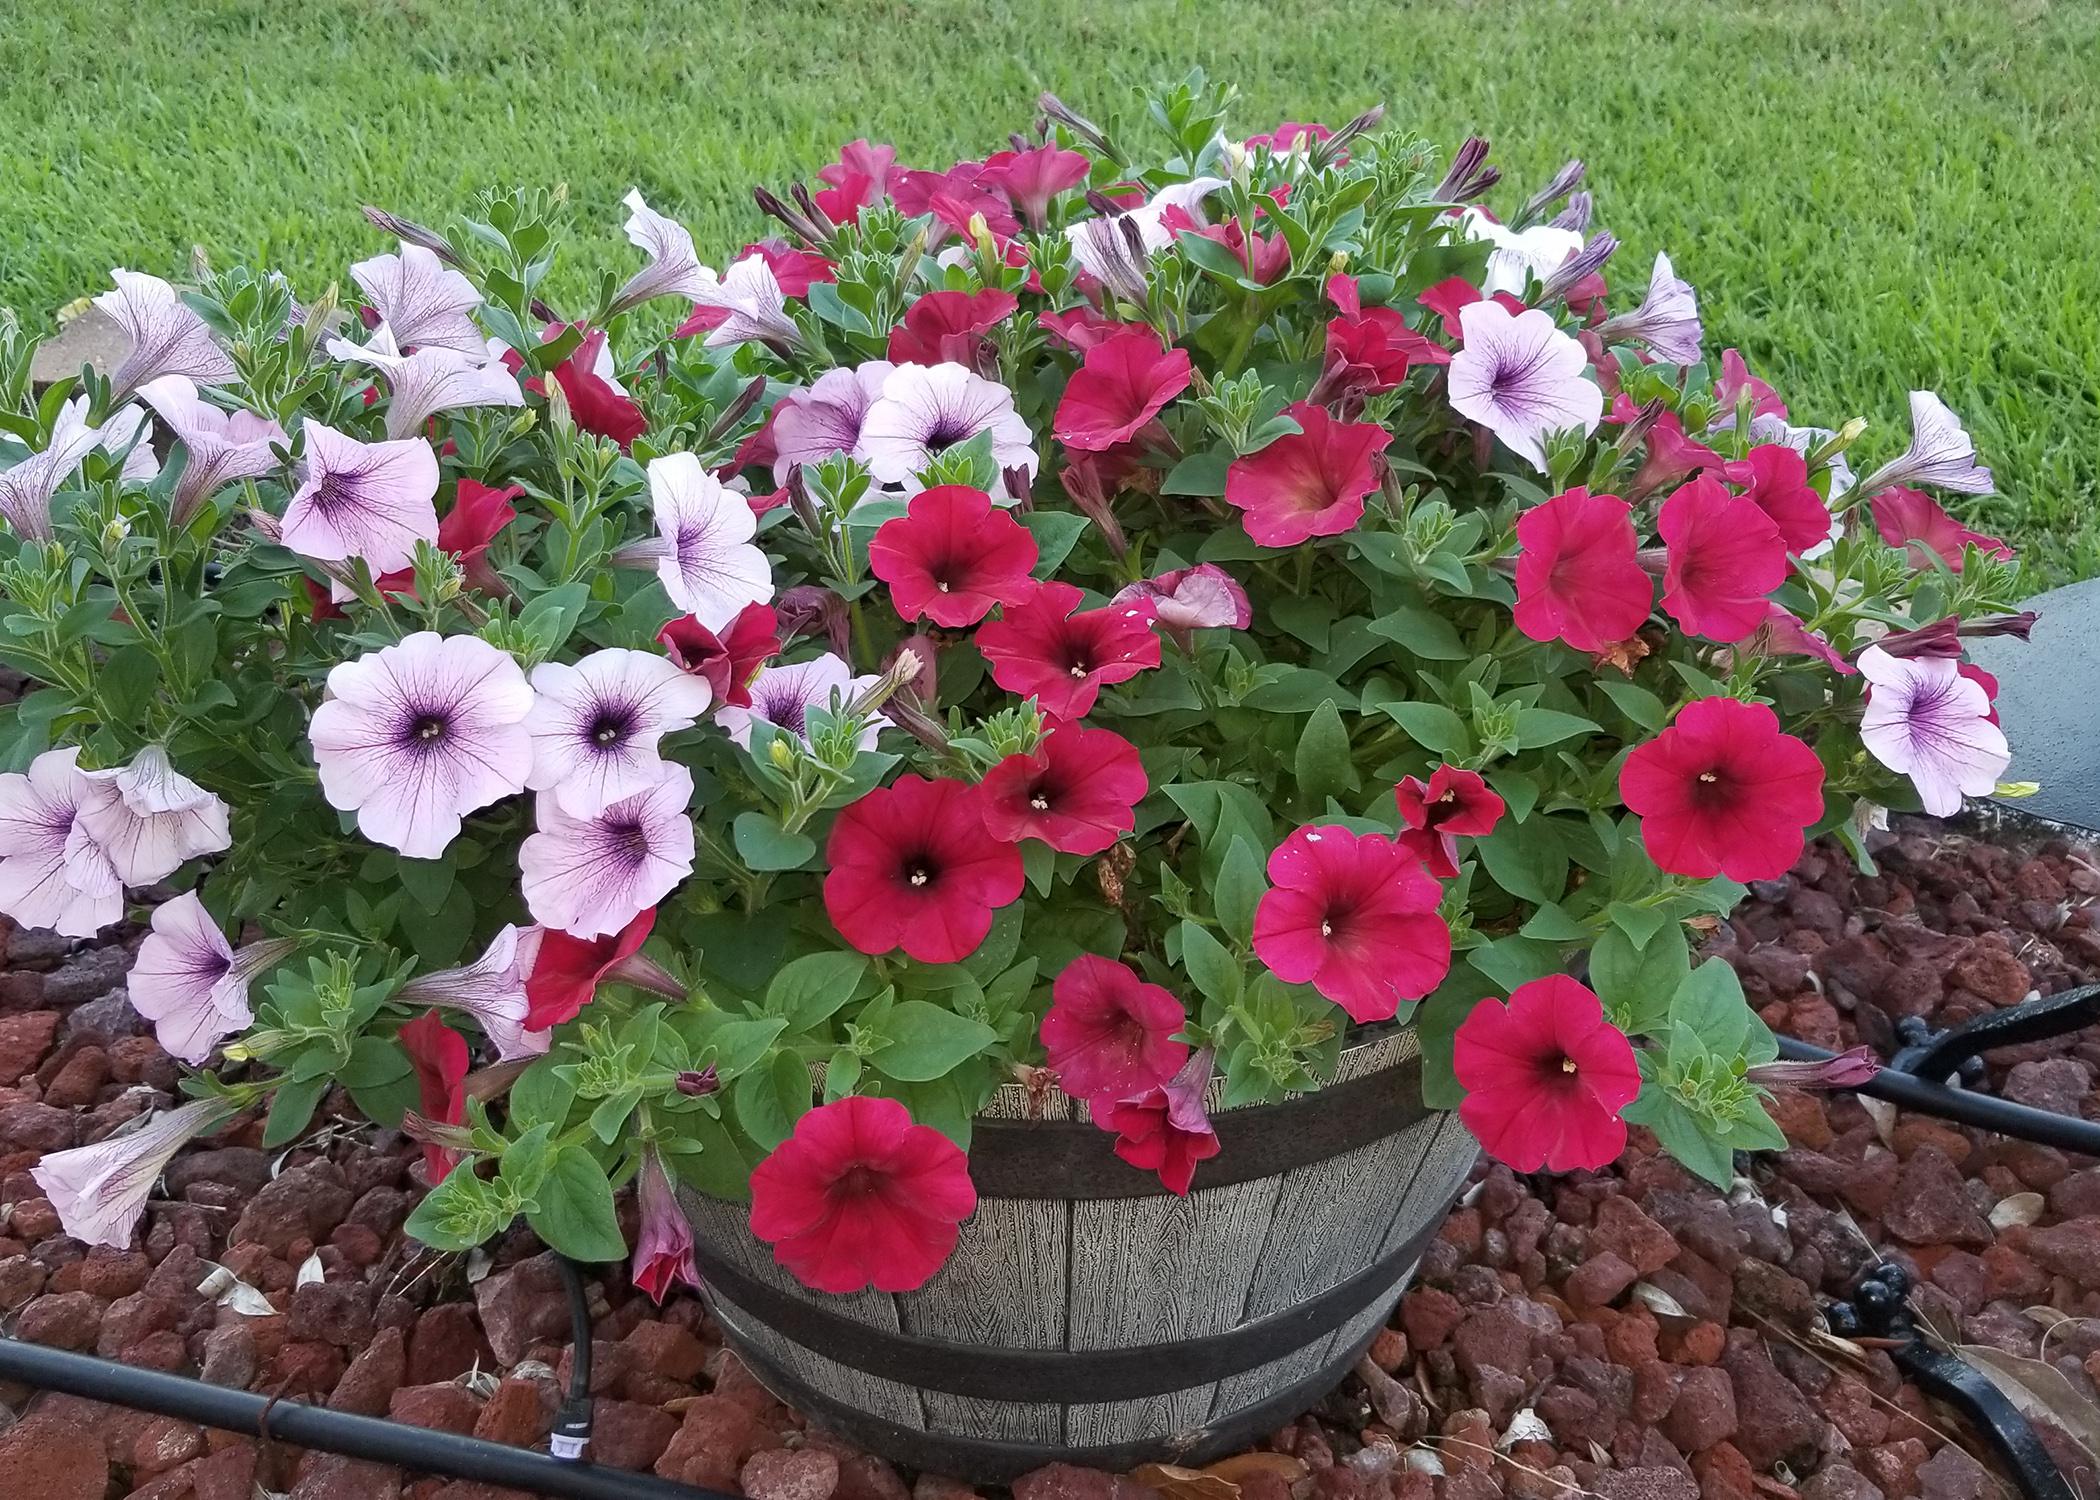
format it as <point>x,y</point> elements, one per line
<point>925,410</point>
<point>947,327</point>
<point>596,725</point>
<point>438,1056</point>
<point>372,501</point>
<point>591,876</point>
<point>167,337</point>
<point>431,380</point>
<point>423,301</point>
<point>1166,1129</point>
<point>100,1191</point>
<point>52,872</point>
<point>1186,600</point>
<point>1521,378</point>
<point>191,983</point>
<point>1666,322</point>
<point>663,1243</point>
<point>1847,1070</point>
<point>149,818</point>
<point>725,661</point>
<point>709,564</point>
<point>566,971</point>
<point>222,446</point>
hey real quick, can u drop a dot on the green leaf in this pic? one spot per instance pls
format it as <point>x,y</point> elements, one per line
<point>1055,533</point>
<point>1423,632</point>
<point>1681,1134</point>
<point>1432,726</point>
<point>575,1214</point>
<point>764,845</point>
<point>1709,1004</point>
<point>527,1160</point>
<point>769,1100</point>
<point>1211,968</point>
<point>1637,703</point>
<point>808,990</point>
<point>1639,923</point>
<point>541,1096</point>
<point>380,1080</point>
<point>1526,859</point>
<point>1322,764</point>
<point>718,1168</point>
<point>1552,924</point>
<point>126,681</point>
<point>925,1041</point>
<point>292,1107</point>
<point>1199,474</point>
<point>738,1043</point>
<point>1514,961</point>
<point>1547,726</point>
<point>456,1215</point>
<point>1636,982</point>
<point>1239,890</point>
<point>427,881</point>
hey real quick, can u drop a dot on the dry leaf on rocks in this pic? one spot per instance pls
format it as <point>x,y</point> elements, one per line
<point>1177,1483</point>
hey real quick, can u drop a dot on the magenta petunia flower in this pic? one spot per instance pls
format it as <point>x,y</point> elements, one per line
<point>191,983</point>
<point>1667,321</point>
<point>1913,520</point>
<point>1521,378</point>
<point>596,725</point>
<point>1078,792</point>
<point>417,735</point>
<point>813,425</point>
<point>100,1191</point>
<point>52,872</point>
<point>1579,577</point>
<point>422,300</point>
<point>491,990</point>
<point>1927,721</point>
<point>1723,791</point>
<point>1110,1035</point>
<point>674,268</point>
<point>592,876</point>
<point>222,446</point>
<point>149,818</point>
<point>373,501</point>
<point>1941,453</point>
<point>1121,384</point>
<point>1779,487</point>
<point>913,866</point>
<point>925,410</point>
<point>1050,649</point>
<point>953,555</point>
<point>783,696</point>
<point>167,337</point>
<point>709,565</point>
<point>431,380</point>
<point>1546,1077</point>
<point>1166,1129</point>
<point>1186,600</point>
<point>1031,177</point>
<point>1354,916</point>
<point>1308,483</point>
<point>1724,557</point>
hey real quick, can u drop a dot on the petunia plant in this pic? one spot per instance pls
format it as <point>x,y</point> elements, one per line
<point>1132,614</point>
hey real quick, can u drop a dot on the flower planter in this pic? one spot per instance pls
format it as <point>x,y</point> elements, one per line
<point>1087,1316</point>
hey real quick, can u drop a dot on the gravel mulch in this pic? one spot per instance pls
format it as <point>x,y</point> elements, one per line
<point>1631,1334</point>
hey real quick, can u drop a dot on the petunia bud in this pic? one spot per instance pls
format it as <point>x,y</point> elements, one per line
<point>1847,1070</point>
<point>415,234</point>
<point>698,1085</point>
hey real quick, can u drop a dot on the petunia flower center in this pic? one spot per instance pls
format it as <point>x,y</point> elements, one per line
<point>858,1181</point>
<point>946,434</point>
<point>333,492</point>
<point>1039,802</point>
<point>611,726</point>
<point>428,728</point>
<point>919,873</point>
<point>1567,1065</point>
<point>629,840</point>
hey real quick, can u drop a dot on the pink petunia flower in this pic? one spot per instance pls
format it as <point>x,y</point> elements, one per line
<point>1312,482</point>
<point>947,327</point>
<point>953,555</point>
<point>726,662</point>
<point>592,876</point>
<point>1081,328</point>
<point>783,695</point>
<point>1736,379</point>
<point>424,301</point>
<point>566,971</point>
<point>1724,557</point>
<point>373,501</point>
<point>167,337</point>
<point>1030,178</point>
<point>674,268</point>
<point>1521,378</point>
<point>1354,916</point>
<point>710,565</point>
<point>429,381</point>
<point>222,446</point>
<point>191,983</point>
<point>52,872</point>
<point>1785,634</point>
<point>1723,791</point>
<point>663,1241</point>
<point>1109,1034</point>
<point>100,1191</point>
<point>1579,577</point>
<point>1667,321</point>
<point>1779,487</point>
<point>1927,721</point>
<point>813,425</point>
<point>913,866</point>
<point>925,410</point>
<point>1186,600</point>
<point>1166,1129</point>
<point>1453,804</point>
<point>491,990</point>
<point>1121,384</point>
<point>860,176</point>
<point>596,725</point>
<point>859,1196</point>
<point>1049,649</point>
<point>1914,520</point>
<point>438,1056</point>
<point>1078,792</point>
<point>1546,1077</point>
<point>149,818</point>
<point>417,735</point>
<point>1940,454</point>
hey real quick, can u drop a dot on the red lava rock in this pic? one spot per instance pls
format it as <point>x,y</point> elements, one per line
<point>447,1343</point>
<point>1625,1231</point>
<point>20,1279</point>
<point>330,1476</point>
<point>37,1127</point>
<point>1840,1482</point>
<point>1987,968</point>
<point>164,1444</point>
<point>114,1273</point>
<point>332,1312</point>
<point>1388,1350</point>
<point>1600,1279</point>
<point>712,1443</point>
<point>1704,1412</point>
<point>1724,1474</point>
<point>609,1365</point>
<point>522,1306</point>
<point>2069,1249</point>
<point>1893,1467</point>
<point>1950,1474</point>
<point>1645,1483</point>
<point>516,1413</point>
<point>664,1349</point>
<point>2053,1083</point>
<point>1429,1315</point>
<point>227,1474</point>
<point>1071,1482</point>
<point>629,1435</point>
<point>1930,1204</point>
<point>443,1408</point>
<point>48,1459</point>
<point>306,1367</point>
<point>230,1356</point>
<point>375,1374</point>
<point>25,1041</point>
<point>1775,1422</point>
<point>62,1320</point>
<point>78,1080</point>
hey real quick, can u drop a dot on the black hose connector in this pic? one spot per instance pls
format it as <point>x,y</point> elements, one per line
<point>572,1423</point>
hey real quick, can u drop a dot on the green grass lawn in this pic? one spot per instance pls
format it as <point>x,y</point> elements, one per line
<point>1869,194</point>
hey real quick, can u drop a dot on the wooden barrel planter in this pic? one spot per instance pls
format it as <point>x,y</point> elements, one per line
<point>1089,1317</point>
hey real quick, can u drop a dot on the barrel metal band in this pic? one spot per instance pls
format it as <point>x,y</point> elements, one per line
<point>1059,1375</point>
<point>1059,1159</point>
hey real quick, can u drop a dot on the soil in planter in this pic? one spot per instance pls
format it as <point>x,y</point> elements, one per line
<point>1630,1333</point>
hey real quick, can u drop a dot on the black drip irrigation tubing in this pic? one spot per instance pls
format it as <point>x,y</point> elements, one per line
<point>1964,1106</point>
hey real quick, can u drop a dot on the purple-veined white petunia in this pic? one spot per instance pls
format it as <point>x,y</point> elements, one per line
<point>149,818</point>
<point>424,301</point>
<point>708,562</point>
<point>1521,378</point>
<point>221,446</point>
<point>1941,453</point>
<point>823,421</point>
<point>52,872</point>
<point>167,337</point>
<point>100,1191</point>
<point>756,307</point>
<point>925,410</point>
<point>368,500</point>
<point>124,431</point>
<point>1666,322</point>
<point>783,696</point>
<point>1518,254</point>
<point>674,268</point>
<point>595,726</point>
<point>431,380</point>
<point>191,983</point>
<point>1111,248</point>
<point>417,735</point>
<point>27,488</point>
<point>1926,721</point>
<point>592,876</point>
<point>491,990</point>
